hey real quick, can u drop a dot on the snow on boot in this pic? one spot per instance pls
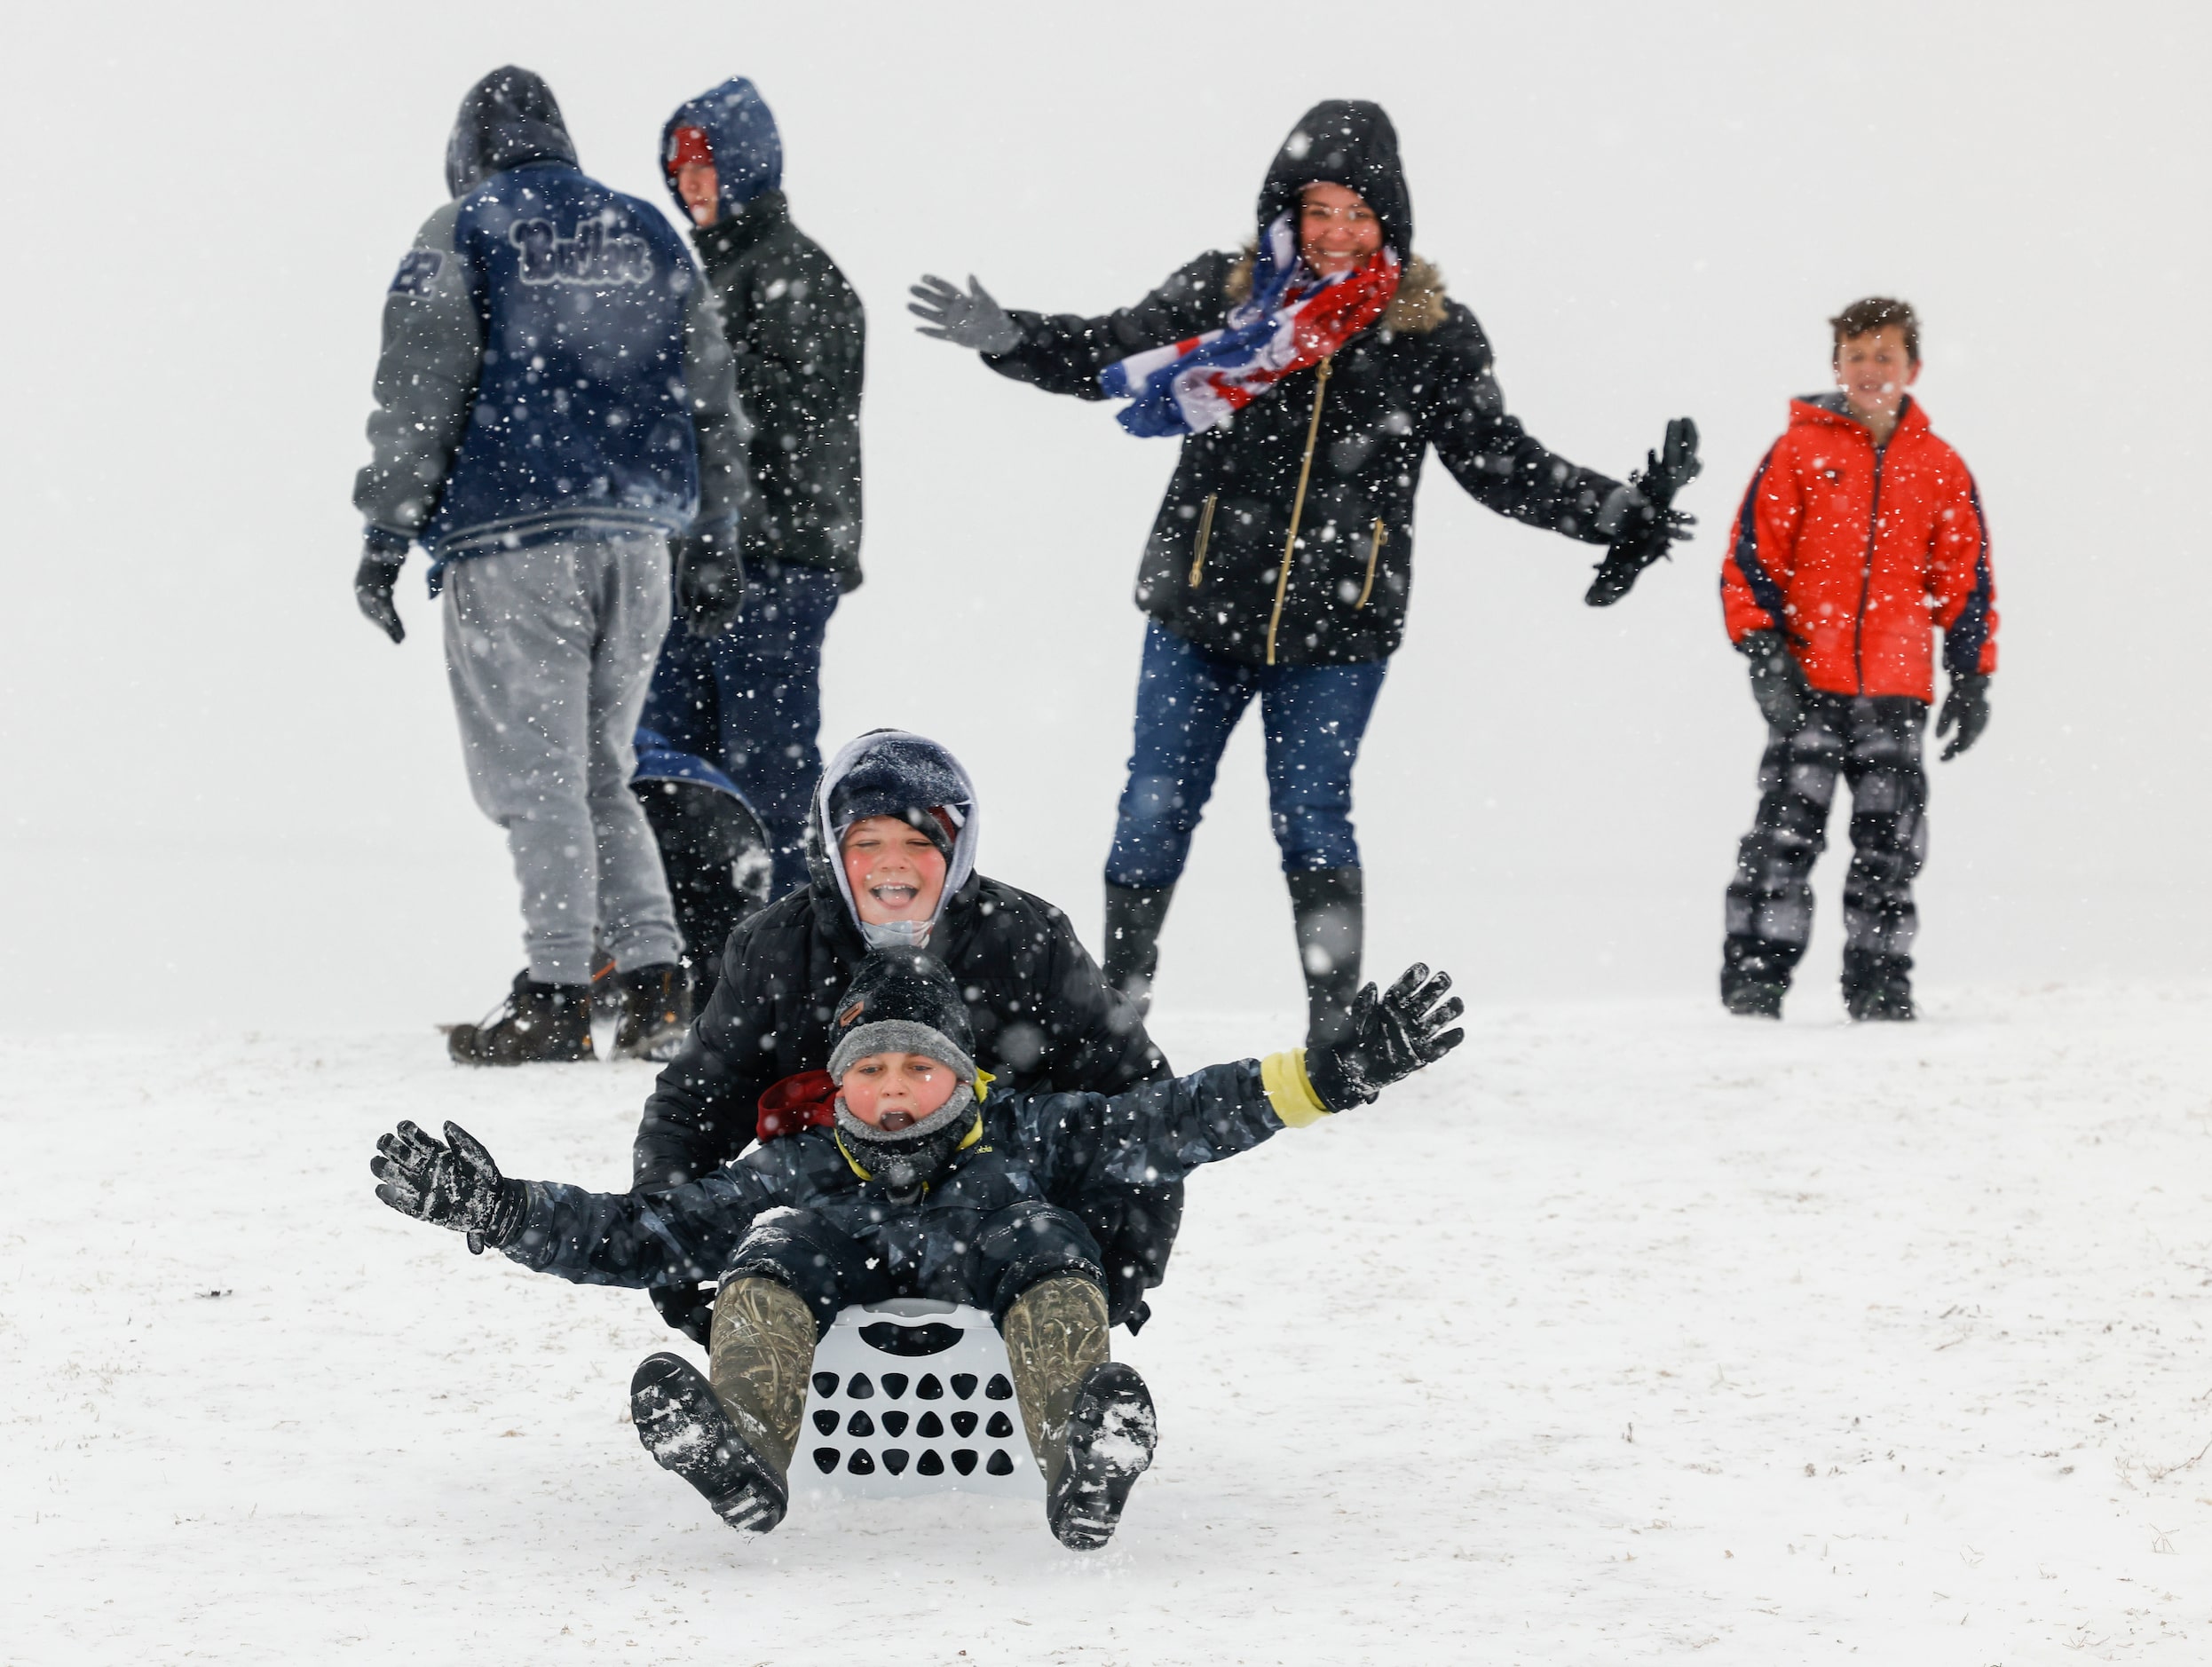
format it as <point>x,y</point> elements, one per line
<point>1112,1431</point>
<point>538,1024</point>
<point>1328,905</point>
<point>656,1012</point>
<point>683,1425</point>
<point>1133,915</point>
<point>1089,1419</point>
<point>1877,986</point>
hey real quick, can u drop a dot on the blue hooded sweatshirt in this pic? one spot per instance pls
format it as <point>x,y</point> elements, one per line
<point>741,132</point>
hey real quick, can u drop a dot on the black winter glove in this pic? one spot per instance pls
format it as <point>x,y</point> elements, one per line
<point>687,1309</point>
<point>1777,681</point>
<point>456,1185</point>
<point>709,582</point>
<point>973,320</point>
<point>373,581</point>
<point>1393,1037</point>
<point>1967,707</point>
<point>1653,524</point>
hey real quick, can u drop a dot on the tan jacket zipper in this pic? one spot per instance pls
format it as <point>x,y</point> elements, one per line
<point>1298,508</point>
<point>1374,554</point>
<point>1205,530</point>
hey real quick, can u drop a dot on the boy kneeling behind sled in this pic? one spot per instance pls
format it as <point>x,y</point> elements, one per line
<point>920,1186</point>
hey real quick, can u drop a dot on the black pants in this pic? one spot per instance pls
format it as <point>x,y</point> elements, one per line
<point>1873,742</point>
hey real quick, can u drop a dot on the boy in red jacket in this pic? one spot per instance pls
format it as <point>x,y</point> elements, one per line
<point>1860,530</point>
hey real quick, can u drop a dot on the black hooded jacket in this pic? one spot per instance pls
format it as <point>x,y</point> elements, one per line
<point>509,118</point>
<point>1420,376</point>
<point>1044,1020</point>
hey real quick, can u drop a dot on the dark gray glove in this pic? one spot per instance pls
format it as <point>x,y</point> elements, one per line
<point>1653,524</point>
<point>687,1309</point>
<point>709,582</point>
<point>972,321</point>
<point>1777,681</point>
<point>456,1185</point>
<point>1393,1037</point>
<point>373,581</point>
<point>1967,707</point>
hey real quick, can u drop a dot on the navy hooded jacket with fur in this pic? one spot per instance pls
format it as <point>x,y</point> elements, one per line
<point>552,365</point>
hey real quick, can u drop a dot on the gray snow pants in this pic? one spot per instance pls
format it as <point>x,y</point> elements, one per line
<point>549,649</point>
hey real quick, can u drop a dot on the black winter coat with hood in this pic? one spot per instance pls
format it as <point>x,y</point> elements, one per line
<point>1420,376</point>
<point>798,334</point>
<point>1044,1020</point>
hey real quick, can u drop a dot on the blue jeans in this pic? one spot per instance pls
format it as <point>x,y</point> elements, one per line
<point>750,700</point>
<point>1188,702</point>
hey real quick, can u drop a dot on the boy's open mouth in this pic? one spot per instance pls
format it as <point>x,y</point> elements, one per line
<point>891,1122</point>
<point>894,896</point>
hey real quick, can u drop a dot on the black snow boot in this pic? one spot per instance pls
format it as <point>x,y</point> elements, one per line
<point>538,1024</point>
<point>683,1425</point>
<point>1133,914</point>
<point>655,1013</point>
<point>1753,979</point>
<point>1877,986</point>
<point>1329,907</point>
<point>1112,1433</point>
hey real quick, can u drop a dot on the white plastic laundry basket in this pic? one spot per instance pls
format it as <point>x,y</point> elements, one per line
<point>911,1396</point>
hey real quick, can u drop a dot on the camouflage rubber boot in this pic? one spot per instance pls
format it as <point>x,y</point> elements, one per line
<point>1089,1419</point>
<point>732,1438</point>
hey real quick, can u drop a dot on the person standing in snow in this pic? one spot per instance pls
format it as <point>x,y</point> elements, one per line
<point>1860,530</point>
<point>747,699</point>
<point>895,831</point>
<point>929,1178</point>
<point>1306,380</point>
<point>554,404</point>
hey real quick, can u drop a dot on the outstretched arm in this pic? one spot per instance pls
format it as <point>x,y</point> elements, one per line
<point>1162,1131</point>
<point>596,1238</point>
<point>1063,353</point>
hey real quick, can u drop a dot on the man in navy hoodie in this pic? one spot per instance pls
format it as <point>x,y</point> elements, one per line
<point>746,701</point>
<point>555,405</point>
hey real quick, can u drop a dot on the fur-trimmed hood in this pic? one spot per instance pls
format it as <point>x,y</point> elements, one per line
<point>1416,309</point>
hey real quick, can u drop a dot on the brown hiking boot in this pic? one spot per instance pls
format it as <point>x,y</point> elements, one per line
<point>656,1012</point>
<point>538,1024</point>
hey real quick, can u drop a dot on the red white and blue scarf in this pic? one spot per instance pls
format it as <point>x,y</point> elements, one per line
<point>1291,321</point>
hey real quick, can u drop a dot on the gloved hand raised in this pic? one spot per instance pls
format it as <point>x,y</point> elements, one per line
<point>373,581</point>
<point>1393,1036</point>
<point>973,320</point>
<point>456,1185</point>
<point>709,580</point>
<point>1777,681</point>
<point>1652,524</point>
<point>1967,707</point>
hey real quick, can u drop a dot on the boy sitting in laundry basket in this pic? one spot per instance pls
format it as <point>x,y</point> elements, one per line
<point>921,1185</point>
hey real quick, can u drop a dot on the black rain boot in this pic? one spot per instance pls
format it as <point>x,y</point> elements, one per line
<point>1112,1430</point>
<point>1329,907</point>
<point>1754,978</point>
<point>656,1012</point>
<point>1133,914</point>
<point>539,1023</point>
<point>1877,986</point>
<point>684,1426</point>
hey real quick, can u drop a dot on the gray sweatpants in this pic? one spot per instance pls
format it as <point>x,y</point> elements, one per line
<point>549,649</point>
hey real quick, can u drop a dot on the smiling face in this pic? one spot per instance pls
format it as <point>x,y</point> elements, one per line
<point>894,871</point>
<point>1337,230</point>
<point>701,188</point>
<point>896,1091</point>
<point>1874,370</point>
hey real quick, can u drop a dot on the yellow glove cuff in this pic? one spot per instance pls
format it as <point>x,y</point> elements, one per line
<point>1289,1091</point>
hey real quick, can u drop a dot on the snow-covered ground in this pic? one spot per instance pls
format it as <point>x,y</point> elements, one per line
<point>1630,1333</point>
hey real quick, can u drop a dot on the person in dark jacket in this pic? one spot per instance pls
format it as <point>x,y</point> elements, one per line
<point>554,404</point>
<point>1307,379</point>
<point>1044,1018</point>
<point>929,1181</point>
<point>748,698</point>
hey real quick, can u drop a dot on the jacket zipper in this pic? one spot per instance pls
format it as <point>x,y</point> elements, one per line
<point>1374,554</point>
<point>1866,578</point>
<point>1298,507</point>
<point>1205,530</point>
